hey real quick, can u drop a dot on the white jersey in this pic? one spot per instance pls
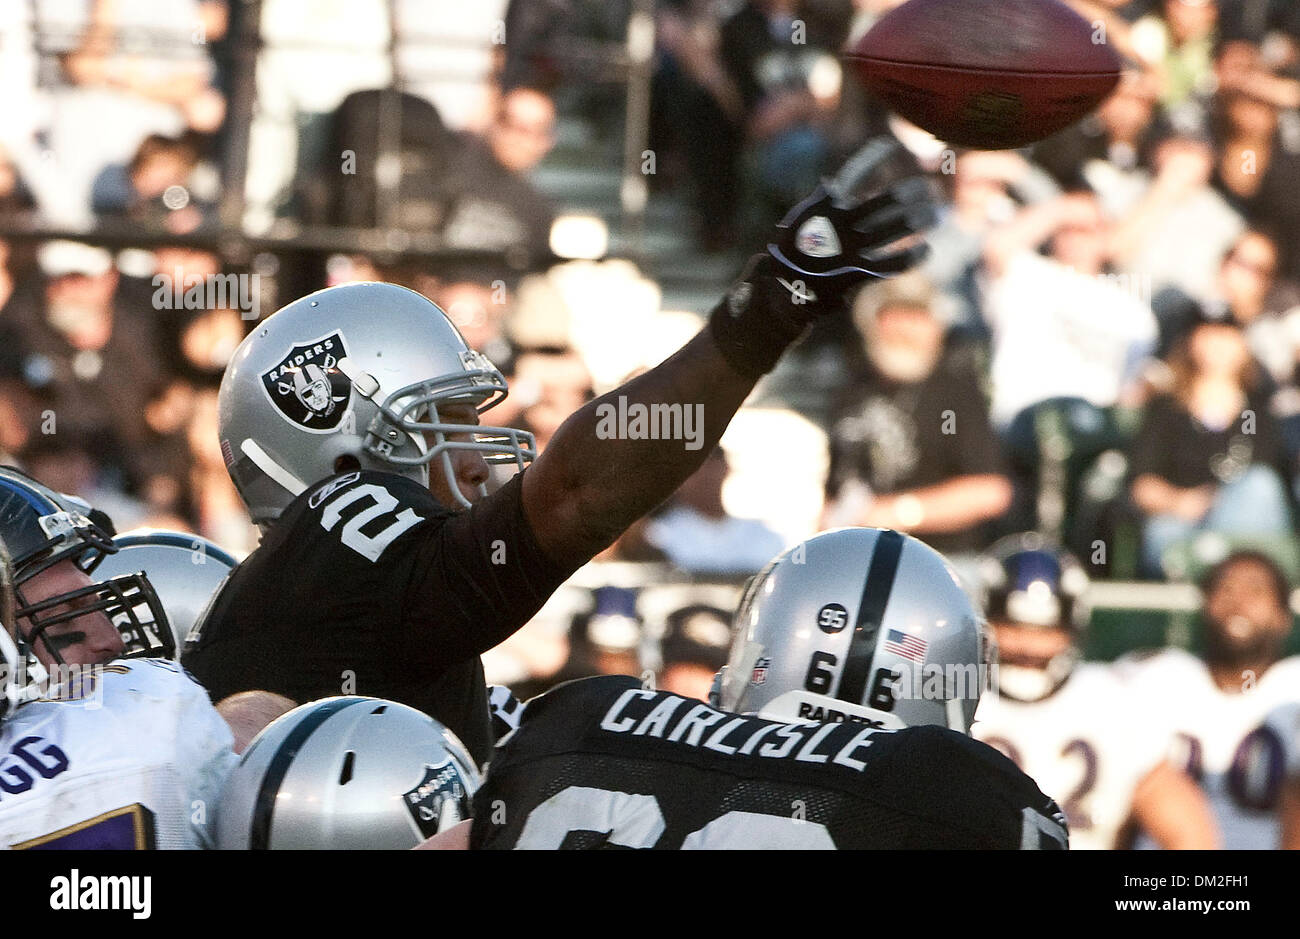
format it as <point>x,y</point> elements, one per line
<point>136,759</point>
<point>1220,738</point>
<point>1283,724</point>
<point>1082,748</point>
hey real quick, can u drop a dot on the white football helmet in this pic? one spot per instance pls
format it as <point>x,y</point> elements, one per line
<point>346,773</point>
<point>357,370</point>
<point>186,570</point>
<point>860,624</point>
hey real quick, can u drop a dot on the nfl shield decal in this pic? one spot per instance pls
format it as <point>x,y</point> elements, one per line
<point>307,387</point>
<point>441,789</point>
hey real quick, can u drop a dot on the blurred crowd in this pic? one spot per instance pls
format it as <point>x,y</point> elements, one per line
<point>1102,346</point>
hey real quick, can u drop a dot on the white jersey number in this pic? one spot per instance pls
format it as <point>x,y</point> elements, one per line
<point>369,547</point>
<point>636,821</point>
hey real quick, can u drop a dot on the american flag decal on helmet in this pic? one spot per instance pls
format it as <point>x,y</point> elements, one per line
<point>909,647</point>
<point>227,453</point>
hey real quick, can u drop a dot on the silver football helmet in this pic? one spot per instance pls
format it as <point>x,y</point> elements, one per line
<point>861,624</point>
<point>357,370</point>
<point>185,570</point>
<point>346,773</point>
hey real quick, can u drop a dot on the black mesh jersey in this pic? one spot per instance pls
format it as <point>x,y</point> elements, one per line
<point>602,762</point>
<point>367,585</point>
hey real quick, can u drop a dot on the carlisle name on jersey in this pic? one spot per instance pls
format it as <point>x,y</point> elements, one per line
<point>134,759</point>
<point>603,762</point>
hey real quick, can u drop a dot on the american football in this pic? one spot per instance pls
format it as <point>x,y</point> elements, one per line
<point>664,425</point>
<point>990,74</point>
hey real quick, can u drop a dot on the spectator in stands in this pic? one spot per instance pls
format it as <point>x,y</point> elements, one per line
<point>1179,43</point>
<point>207,341</point>
<point>91,361</point>
<point>695,532</point>
<point>984,188</point>
<point>217,508</point>
<point>550,384</point>
<point>693,650</point>
<point>911,444</point>
<point>1246,291</point>
<point>1063,325</point>
<point>1107,150</point>
<point>1209,455</point>
<point>1176,233</point>
<point>607,639</point>
<point>493,206</point>
<point>164,465</point>
<point>135,70</point>
<point>781,55</point>
<point>1258,161</point>
<point>698,111</point>
<point>386,162</point>
<point>14,196</point>
<point>478,308</point>
<point>137,189</point>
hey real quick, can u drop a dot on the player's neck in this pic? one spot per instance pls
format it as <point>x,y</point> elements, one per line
<point>1236,677</point>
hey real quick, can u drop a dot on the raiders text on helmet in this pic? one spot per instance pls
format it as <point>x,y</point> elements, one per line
<point>347,773</point>
<point>358,370</point>
<point>861,624</point>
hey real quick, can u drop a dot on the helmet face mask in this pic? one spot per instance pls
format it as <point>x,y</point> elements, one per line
<point>388,359</point>
<point>45,529</point>
<point>128,601</point>
<point>413,411</point>
<point>857,624</point>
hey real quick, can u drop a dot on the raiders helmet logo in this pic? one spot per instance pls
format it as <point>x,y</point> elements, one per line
<point>441,792</point>
<point>307,387</point>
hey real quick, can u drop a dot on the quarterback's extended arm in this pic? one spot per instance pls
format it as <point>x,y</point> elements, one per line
<point>602,471</point>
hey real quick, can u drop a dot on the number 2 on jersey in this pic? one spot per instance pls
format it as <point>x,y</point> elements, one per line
<point>369,547</point>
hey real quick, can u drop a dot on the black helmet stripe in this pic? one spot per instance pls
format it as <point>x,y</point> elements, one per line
<point>871,612</point>
<point>259,835</point>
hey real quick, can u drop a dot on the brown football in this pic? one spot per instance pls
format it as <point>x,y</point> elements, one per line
<point>991,74</point>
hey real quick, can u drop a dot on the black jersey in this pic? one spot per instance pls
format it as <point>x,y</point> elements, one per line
<point>602,762</point>
<point>367,585</point>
